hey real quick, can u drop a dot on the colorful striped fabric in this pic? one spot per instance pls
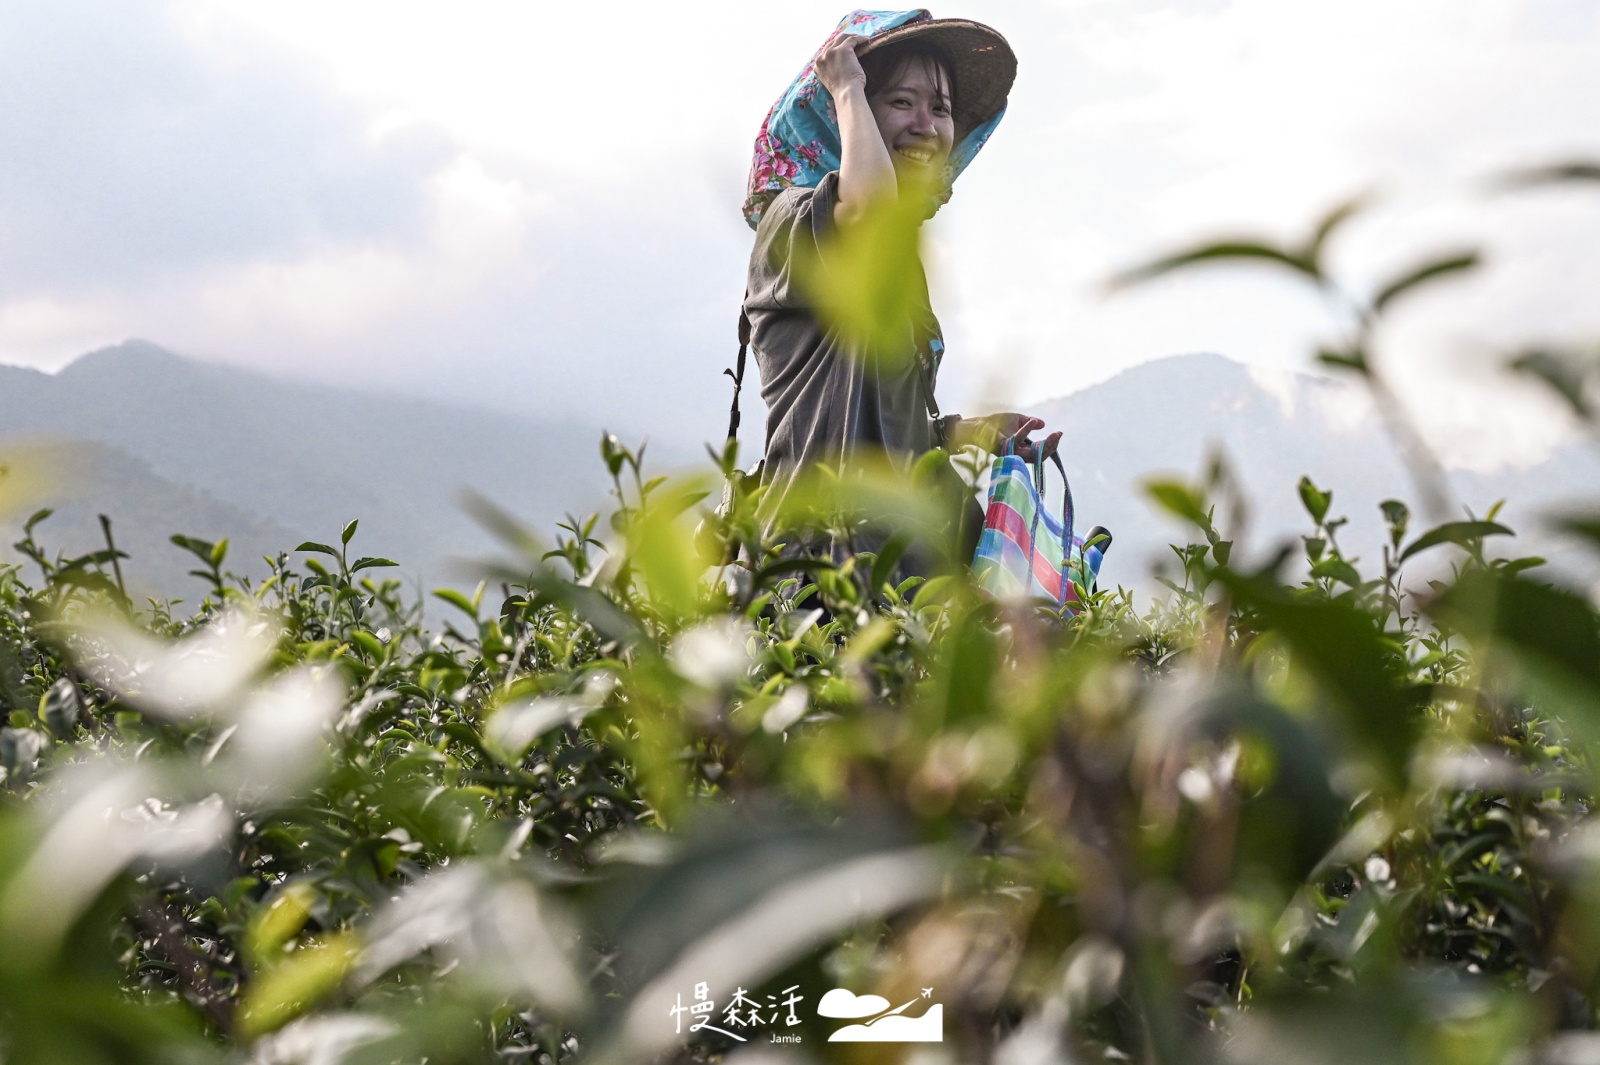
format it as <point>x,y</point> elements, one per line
<point>1023,547</point>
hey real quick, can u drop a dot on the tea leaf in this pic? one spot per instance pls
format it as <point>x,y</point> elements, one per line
<point>1179,499</point>
<point>1421,275</point>
<point>1552,174</point>
<point>1454,532</point>
<point>1315,500</point>
<point>1567,374</point>
<point>1221,251</point>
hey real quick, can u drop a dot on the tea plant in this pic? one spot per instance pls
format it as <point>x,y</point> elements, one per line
<point>1305,809</point>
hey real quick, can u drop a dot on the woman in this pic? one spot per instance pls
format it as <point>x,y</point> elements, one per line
<point>909,101</point>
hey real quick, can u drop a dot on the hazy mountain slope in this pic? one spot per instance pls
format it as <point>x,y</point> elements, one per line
<point>311,456</point>
<point>212,451</point>
<point>1169,415</point>
<point>146,509</point>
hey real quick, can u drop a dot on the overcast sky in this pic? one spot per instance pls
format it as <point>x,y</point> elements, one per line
<point>537,205</point>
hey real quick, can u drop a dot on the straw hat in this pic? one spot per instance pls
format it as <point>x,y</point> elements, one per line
<point>982,64</point>
<point>798,144</point>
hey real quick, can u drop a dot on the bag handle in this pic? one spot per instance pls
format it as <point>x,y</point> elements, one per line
<point>1067,514</point>
<point>1066,523</point>
<point>1009,448</point>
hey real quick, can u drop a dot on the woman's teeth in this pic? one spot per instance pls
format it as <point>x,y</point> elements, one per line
<point>916,154</point>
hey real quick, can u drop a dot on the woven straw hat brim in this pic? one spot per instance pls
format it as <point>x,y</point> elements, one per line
<point>982,62</point>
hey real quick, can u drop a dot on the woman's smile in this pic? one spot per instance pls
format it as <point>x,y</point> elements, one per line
<point>913,116</point>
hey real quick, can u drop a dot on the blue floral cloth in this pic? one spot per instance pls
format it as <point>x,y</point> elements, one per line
<point>799,140</point>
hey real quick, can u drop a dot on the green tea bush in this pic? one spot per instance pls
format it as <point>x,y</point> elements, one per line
<point>1300,811</point>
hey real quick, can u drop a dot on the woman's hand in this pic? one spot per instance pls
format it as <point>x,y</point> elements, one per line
<point>993,431</point>
<point>838,67</point>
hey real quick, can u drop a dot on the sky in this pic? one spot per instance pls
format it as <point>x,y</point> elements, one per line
<point>536,206</point>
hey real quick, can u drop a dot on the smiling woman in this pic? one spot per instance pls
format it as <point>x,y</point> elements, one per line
<point>907,133</point>
<point>890,111</point>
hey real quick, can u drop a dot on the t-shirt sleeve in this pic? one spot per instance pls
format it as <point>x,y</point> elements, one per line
<point>794,226</point>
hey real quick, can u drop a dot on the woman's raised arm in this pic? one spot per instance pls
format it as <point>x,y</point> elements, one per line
<point>866,172</point>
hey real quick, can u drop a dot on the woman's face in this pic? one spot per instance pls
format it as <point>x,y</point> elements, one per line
<point>912,109</point>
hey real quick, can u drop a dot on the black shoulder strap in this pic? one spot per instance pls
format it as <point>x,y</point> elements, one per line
<point>738,373</point>
<point>926,332</point>
<point>925,375</point>
<point>927,388</point>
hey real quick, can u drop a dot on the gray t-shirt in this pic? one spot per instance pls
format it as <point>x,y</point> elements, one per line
<point>825,400</point>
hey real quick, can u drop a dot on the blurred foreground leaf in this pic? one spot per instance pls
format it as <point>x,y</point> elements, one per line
<point>1362,672</point>
<point>1554,634</point>
<point>867,283</point>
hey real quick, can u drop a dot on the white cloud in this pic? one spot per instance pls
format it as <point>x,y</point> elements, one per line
<point>844,1003</point>
<point>1170,123</point>
<point>137,152</point>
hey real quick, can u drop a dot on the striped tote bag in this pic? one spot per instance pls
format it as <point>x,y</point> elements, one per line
<point>1025,551</point>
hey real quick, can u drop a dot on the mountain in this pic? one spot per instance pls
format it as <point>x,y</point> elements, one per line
<point>145,508</point>
<point>1172,415</point>
<point>164,444</point>
<point>196,447</point>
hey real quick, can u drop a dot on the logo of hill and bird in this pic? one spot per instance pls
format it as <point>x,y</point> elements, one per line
<point>880,1024</point>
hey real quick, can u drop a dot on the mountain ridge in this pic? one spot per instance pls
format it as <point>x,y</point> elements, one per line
<point>1175,416</point>
<point>296,460</point>
<point>310,456</point>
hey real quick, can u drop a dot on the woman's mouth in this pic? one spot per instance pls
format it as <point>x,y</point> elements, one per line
<point>920,156</point>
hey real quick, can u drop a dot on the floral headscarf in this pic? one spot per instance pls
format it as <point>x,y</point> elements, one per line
<point>799,140</point>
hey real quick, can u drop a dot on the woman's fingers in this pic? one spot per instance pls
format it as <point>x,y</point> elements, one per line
<point>838,64</point>
<point>1043,449</point>
<point>1020,425</point>
<point>1012,428</point>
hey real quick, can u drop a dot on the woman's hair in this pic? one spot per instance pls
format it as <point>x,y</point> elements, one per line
<point>884,65</point>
